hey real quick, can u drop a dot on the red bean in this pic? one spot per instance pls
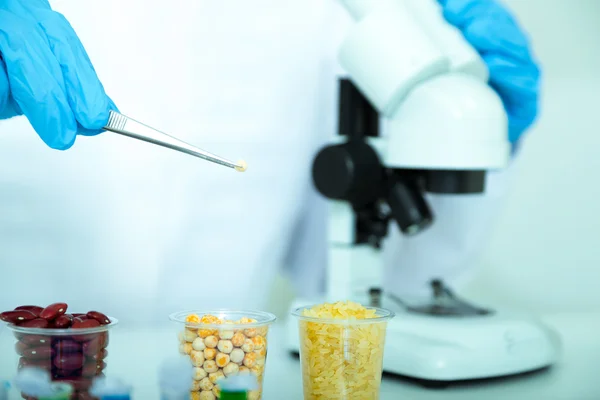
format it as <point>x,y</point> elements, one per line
<point>36,310</point>
<point>34,340</point>
<point>88,323</point>
<point>14,317</point>
<point>99,356</point>
<point>67,346</point>
<point>104,339</point>
<point>38,353</point>
<point>63,322</point>
<point>69,362</point>
<point>39,323</point>
<point>93,346</point>
<point>20,348</point>
<point>93,368</point>
<point>45,364</point>
<point>54,311</point>
<point>98,316</point>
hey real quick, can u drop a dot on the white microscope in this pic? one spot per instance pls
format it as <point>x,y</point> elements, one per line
<point>444,127</point>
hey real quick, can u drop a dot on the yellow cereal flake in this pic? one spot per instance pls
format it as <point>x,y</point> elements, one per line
<point>204,333</point>
<point>346,310</point>
<point>245,320</point>
<point>193,318</point>
<point>341,358</point>
<point>210,319</point>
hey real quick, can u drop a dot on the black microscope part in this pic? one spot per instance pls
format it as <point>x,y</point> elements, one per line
<point>454,182</point>
<point>350,171</point>
<point>357,117</point>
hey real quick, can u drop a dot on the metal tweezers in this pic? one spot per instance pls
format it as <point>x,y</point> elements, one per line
<point>119,123</point>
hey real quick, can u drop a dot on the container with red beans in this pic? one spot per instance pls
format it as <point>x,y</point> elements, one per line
<point>71,346</point>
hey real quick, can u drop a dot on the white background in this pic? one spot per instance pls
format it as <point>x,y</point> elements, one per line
<point>544,254</point>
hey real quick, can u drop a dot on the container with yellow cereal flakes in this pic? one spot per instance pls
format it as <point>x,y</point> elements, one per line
<point>223,343</point>
<point>341,350</point>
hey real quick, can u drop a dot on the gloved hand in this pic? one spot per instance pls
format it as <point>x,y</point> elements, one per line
<point>514,74</point>
<point>45,74</point>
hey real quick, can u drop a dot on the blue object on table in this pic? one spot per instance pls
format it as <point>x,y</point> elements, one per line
<point>110,388</point>
<point>46,74</point>
<point>494,32</point>
<point>4,387</point>
<point>174,378</point>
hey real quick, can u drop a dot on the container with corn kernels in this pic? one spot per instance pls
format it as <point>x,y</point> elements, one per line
<point>223,343</point>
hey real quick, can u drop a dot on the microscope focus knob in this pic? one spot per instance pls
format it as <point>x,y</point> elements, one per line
<point>351,171</point>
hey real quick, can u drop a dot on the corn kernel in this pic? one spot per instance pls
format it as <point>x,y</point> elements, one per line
<point>211,341</point>
<point>204,333</point>
<point>259,342</point>
<point>185,348</point>
<point>198,344</point>
<point>222,359</point>
<point>195,386</point>
<point>250,360</point>
<point>231,369</point>
<point>193,318</point>
<point>237,356</point>
<point>210,354</point>
<point>248,346</point>
<point>190,335</point>
<point>262,353</point>
<point>238,339</point>
<point>205,384</point>
<point>199,373</point>
<point>210,366</point>
<point>208,395</point>
<point>225,346</point>
<point>216,376</point>
<point>197,358</point>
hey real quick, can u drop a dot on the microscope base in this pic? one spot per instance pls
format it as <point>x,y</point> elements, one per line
<point>447,349</point>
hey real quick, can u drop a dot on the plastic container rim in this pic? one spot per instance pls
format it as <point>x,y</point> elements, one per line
<point>262,318</point>
<point>64,332</point>
<point>383,315</point>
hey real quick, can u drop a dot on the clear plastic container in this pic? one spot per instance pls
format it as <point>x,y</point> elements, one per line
<point>342,359</point>
<point>72,356</point>
<point>222,343</point>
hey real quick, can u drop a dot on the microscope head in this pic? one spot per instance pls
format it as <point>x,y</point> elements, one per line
<point>416,114</point>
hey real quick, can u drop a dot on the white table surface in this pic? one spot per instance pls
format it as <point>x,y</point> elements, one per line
<point>134,355</point>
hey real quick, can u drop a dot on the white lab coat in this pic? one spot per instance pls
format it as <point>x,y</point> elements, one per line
<point>138,231</point>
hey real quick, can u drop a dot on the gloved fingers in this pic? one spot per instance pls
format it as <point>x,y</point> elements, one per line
<point>35,81</point>
<point>461,13</point>
<point>92,132</point>
<point>7,109</point>
<point>518,86</point>
<point>23,8</point>
<point>85,93</point>
<point>488,26</point>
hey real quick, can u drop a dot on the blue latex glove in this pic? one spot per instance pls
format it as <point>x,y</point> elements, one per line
<point>45,74</point>
<point>514,74</point>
